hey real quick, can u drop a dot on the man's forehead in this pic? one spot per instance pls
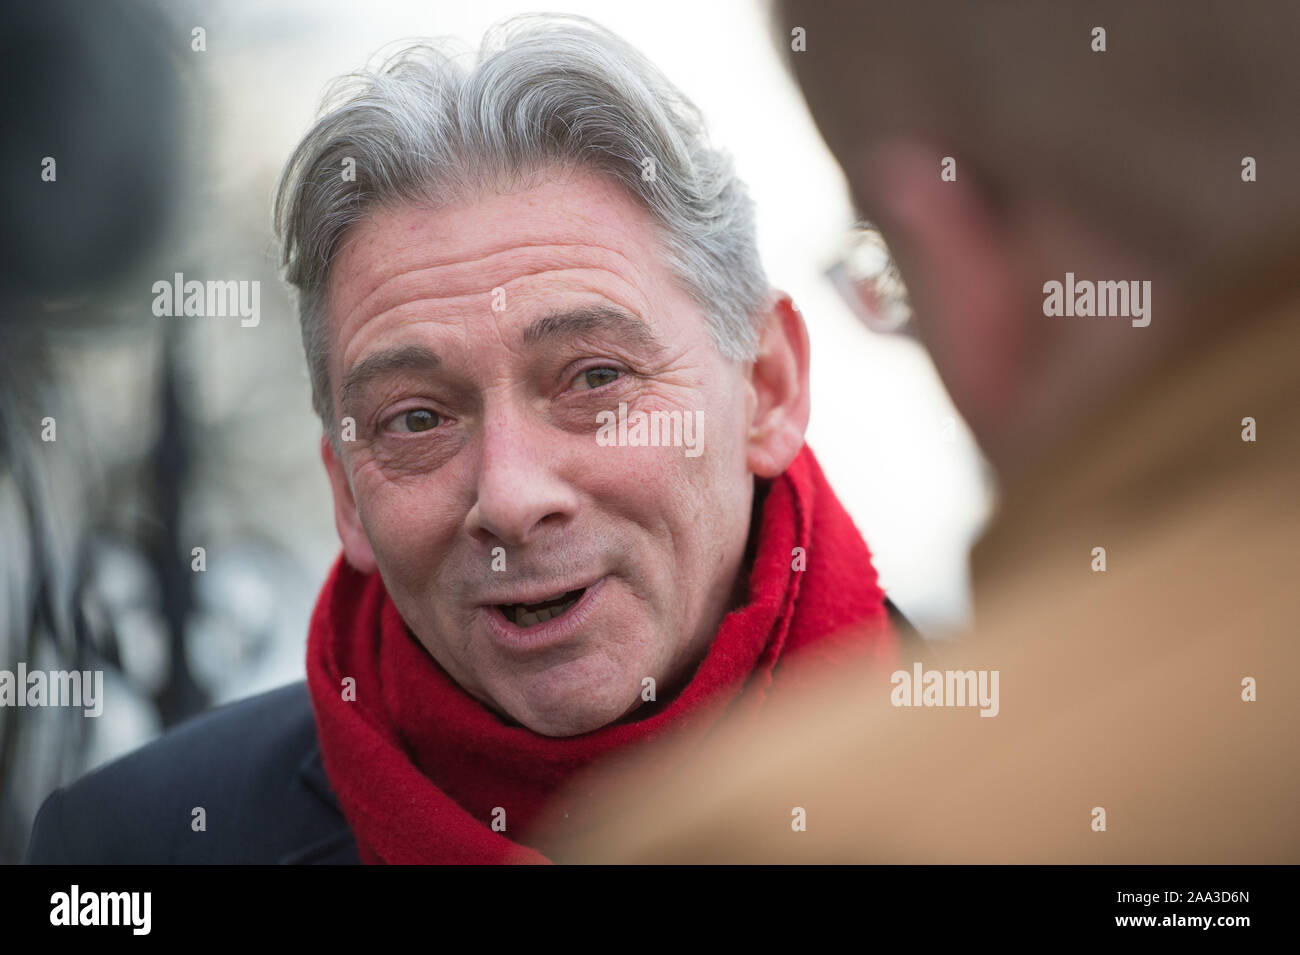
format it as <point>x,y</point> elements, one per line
<point>473,246</point>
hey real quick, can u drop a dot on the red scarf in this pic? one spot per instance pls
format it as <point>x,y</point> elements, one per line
<point>419,765</point>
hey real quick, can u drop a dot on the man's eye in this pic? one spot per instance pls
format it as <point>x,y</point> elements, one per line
<point>415,420</point>
<point>596,377</point>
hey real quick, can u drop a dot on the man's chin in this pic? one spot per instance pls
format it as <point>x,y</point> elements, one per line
<point>570,713</point>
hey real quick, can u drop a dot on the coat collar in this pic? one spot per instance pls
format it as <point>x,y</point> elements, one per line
<point>1171,441</point>
<point>333,845</point>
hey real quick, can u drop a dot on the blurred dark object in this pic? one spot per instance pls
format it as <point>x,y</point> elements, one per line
<point>96,89</point>
<point>91,86</point>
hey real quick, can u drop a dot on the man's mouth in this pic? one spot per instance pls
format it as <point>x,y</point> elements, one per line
<point>527,615</point>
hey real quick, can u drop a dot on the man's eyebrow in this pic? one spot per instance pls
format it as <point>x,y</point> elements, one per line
<point>407,358</point>
<point>595,318</point>
<point>417,358</point>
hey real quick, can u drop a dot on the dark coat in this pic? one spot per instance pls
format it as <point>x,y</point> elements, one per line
<point>255,768</point>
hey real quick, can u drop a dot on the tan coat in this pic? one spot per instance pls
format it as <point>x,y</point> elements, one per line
<point>1119,690</point>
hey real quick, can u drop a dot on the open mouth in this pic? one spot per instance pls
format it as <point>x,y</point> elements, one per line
<point>527,615</point>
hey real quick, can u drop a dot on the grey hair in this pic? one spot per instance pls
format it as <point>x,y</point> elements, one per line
<point>546,90</point>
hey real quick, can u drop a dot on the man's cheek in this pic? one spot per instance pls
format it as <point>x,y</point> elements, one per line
<point>401,533</point>
<point>623,474</point>
<point>656,492</point>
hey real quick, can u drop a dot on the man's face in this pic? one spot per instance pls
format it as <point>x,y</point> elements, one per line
<point>476,348</point>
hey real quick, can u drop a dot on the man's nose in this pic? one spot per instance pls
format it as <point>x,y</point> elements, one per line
<point>520,490</point>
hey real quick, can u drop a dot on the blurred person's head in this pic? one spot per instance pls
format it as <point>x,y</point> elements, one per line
<point>494,261</point>
<point>1117,164</point>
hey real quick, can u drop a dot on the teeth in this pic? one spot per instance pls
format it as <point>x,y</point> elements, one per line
<point>528,618</point>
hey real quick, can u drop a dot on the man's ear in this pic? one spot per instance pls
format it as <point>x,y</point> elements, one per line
<point>779,381</point>
<point>962,269</point>
<point>356,545</point>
